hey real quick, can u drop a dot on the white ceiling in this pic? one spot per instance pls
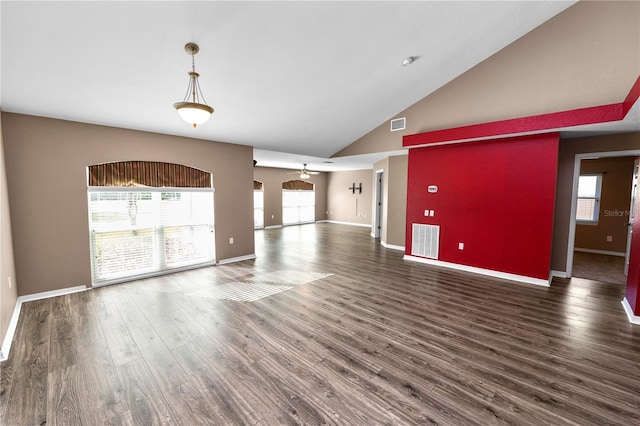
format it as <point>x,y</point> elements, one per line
<point>299,81</point>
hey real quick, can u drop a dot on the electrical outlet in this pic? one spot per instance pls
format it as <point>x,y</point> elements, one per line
<point>273,216</point>
<point>426,212</point>
<point>609,238</point>
<point>231,240</point>
<point>460,246</point>
<point>432,213</point>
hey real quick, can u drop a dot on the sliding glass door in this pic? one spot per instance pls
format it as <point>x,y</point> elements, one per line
<point>144,231</point>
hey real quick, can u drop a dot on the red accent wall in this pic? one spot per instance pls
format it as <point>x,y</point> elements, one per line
<point>633,277</point>
<point>497,197</point>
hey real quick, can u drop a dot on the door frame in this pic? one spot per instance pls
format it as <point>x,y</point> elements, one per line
<point>634,188</point>
<point>376,232</point>
<point>574,196</point>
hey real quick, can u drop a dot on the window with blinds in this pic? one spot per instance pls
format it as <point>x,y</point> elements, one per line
<point>588,205</point>
<point>298,207</point>
<point>142,231</point>
<point>258,205</point>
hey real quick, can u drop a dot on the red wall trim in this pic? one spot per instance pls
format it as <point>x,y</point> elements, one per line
<point>632,97</point>
<point>530,124</point>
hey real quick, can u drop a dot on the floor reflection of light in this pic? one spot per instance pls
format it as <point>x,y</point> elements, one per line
<point>260,285</point>
<point>578,321</point>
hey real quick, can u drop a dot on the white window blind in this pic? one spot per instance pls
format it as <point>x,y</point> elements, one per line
<point>589,190</point>
<point>143,231</point>
<point>298,206</point>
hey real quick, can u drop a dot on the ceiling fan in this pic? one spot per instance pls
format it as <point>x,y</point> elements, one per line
<point>304,173</point>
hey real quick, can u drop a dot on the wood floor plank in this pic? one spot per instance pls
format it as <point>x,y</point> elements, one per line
<point>368,339</point>
<point>26,401</point>
<point>115,329</point>
<point>145,400</point>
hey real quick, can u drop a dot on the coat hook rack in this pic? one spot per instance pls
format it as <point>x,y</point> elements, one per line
<point>354,187</point>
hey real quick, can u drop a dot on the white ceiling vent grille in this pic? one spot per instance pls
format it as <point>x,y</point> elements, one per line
<point>425,240</point>
<point>398,124</point>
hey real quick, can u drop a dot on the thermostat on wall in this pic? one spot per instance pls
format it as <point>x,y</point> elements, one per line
<point>432,189</point>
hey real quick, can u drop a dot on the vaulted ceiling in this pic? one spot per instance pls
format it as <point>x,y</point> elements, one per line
<point>304,79</point>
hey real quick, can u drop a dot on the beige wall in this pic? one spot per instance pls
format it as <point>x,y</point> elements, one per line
<point>8,295</point>
<point>614,205</point>
<point>272,179</point>
<point>345,206</point>
<point>586,56</point>
<point>569,148</point>
<point>46,175</point>
<point>397,196</point>
<point>394,199</point>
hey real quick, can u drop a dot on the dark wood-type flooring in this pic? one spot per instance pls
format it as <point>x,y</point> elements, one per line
<point>599,267</point>
<point>379,341</point>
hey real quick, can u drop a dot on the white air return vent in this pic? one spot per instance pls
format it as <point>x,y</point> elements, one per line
<point>425,240</point>
<point>398,124</point>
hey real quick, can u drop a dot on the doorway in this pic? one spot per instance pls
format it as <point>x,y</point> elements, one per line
<point>377,223</point>
<point>599,240</point>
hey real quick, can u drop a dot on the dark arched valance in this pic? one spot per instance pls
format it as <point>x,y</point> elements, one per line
<point>148,173</point>
<point>298,184</point>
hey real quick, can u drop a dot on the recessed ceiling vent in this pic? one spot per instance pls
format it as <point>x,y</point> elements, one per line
<point>398,124</point>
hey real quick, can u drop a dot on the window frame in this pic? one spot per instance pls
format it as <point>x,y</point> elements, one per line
<point>311,194</point>
<point>165,268</point>
<point>596,199</point>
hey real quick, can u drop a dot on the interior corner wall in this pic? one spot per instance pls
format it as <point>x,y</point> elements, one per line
<point>397,196</point>
<point>568,150</point>
<point>46,162</point>
<point>272,179</point>
<point>496,197</point>
<point>343,205</point>
<point>394,199</point>
<point>8,282</point>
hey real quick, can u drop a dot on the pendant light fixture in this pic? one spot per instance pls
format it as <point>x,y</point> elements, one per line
<point>193,109</point>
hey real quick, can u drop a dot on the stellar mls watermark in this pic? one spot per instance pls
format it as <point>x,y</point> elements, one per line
<point>616,213</point>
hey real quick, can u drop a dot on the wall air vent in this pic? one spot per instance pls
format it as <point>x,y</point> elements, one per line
<point>425,240</point>
<point>398,124</point>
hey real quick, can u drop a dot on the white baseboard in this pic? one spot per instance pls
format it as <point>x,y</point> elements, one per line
<point>633,319</point>
<point>481,271</point>
<point>559,274</point>
<point>272,227</point>
<point>391,246</point>
<point>11,330</point>
<point>236,259</point>
<point>366,225</point>
<point>608,253</point>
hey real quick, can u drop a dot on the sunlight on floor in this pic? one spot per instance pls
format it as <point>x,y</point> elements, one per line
<point>257,287</point>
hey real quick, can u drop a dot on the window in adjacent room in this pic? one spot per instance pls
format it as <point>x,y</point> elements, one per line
<point>258,205</point>
<point>589,189</point>
<point>298,203</point>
